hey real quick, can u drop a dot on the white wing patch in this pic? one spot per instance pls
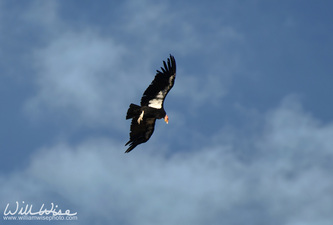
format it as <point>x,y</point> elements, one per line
<point>157,101</point>
<point>170,80</point>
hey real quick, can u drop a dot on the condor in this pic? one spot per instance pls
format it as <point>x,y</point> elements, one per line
<point>144,116</point>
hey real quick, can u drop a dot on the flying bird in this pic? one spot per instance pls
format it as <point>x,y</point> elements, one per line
<point>144,116</point>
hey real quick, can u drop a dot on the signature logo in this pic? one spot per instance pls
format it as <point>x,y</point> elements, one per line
<point>25,209</point>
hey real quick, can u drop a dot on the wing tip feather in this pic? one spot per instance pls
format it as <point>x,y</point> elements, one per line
<point>131,147</point>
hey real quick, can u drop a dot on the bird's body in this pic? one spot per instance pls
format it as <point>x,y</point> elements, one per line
<point>144,116</point>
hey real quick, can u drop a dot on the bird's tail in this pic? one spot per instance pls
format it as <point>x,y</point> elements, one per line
<point>133,110</point>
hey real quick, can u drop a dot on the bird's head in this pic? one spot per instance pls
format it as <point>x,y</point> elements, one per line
<point>166,119</point>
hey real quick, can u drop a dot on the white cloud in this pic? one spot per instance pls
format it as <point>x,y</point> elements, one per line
<point>79,73</point>
<point>293,133</point>
<point>288,182</point>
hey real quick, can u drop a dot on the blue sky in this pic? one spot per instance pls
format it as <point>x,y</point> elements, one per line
<point>250,133</point>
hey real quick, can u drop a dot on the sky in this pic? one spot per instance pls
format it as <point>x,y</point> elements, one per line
<point>249,139</point>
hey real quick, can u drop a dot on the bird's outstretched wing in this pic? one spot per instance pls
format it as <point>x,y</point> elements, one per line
<point>164,80</point>
<point>140,133</point>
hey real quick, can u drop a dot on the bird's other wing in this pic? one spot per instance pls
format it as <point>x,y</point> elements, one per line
<point>164,80</point>
<point>140,133</point>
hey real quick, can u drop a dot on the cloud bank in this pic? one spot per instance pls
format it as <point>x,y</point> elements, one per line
<point>286,182</point>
